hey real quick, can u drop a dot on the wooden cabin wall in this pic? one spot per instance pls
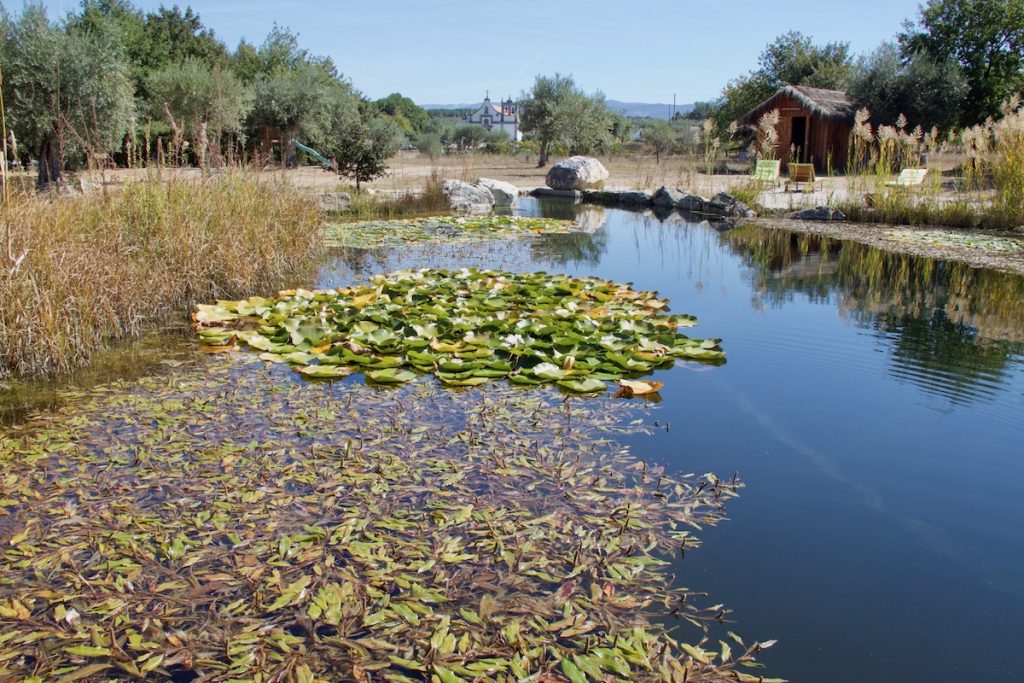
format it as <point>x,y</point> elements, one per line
<point>822,135</point>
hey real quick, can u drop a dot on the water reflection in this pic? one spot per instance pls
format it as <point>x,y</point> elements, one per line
<point>951,329</point>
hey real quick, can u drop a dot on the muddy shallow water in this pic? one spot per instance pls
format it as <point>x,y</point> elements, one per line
<point>872,403</point>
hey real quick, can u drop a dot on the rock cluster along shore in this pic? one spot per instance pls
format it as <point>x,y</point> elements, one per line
<point>722,205</point>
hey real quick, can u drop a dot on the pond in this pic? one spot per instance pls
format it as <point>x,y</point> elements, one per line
<point>871,403</point>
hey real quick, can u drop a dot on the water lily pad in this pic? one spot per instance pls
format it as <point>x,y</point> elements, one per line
<point>469,326</point>
<point>453,229</point>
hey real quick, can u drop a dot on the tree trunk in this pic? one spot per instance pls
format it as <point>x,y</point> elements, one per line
<point>51,164</point>
<point>542,158</point>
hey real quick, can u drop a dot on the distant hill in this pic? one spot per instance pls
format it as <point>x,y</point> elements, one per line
<point>646,109</point>
<point>636,109</point>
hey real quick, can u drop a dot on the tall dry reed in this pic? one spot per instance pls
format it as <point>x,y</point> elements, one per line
<point>99,267</point>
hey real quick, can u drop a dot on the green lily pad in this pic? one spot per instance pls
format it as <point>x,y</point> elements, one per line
<point>469,326</point>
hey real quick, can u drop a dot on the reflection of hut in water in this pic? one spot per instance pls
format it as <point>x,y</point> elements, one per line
<point>814,125</point>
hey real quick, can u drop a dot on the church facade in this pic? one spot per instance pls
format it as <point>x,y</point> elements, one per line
<point>502,117</point>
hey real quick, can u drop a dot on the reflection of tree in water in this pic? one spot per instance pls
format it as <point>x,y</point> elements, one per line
<point>578,248</point>
<point>954,328</point>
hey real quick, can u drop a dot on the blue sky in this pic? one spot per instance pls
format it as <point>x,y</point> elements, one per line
<point>447,51</point>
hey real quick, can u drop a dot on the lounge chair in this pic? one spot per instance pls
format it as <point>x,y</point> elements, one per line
<point>767,171</point>
<point>801,173</point>
<point>909,177</point>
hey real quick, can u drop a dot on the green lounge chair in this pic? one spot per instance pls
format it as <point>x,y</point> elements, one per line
<point>767,171</point>
<point>909,177</point>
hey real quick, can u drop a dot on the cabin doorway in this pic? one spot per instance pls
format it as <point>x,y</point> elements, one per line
<point>798,139</point>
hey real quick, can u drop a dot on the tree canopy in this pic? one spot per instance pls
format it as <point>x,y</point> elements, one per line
<point>64,89</point>
<point>928,93</point>
<point>791,59</point>
<point>986,37</point>
<point>557,111</point>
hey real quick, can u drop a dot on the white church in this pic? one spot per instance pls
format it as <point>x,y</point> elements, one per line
<point>504,117</point>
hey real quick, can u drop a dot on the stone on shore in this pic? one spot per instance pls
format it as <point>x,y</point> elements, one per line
<point>576,173</point>
<point>505,194</point>
<point>725,205</point>
<point>667,197</point>
<point>818,213</point>
<point>331,202</point>
<point>692,203</point>
<point>466,198</point>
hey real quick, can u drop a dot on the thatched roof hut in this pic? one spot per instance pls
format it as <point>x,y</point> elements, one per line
<point>814,124</point>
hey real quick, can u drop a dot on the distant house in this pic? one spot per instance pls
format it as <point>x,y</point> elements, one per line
<point>814,125</point>
<point>504,118</point>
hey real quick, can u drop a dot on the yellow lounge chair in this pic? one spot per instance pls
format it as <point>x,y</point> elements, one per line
<point>801,173</point>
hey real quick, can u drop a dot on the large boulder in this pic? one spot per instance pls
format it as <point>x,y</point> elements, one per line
<point>576,173</point>
<point>667,197</point>
<point>466,198</point>
<point>818,213</point>
<point>727,206</point>
<point>505,194</point>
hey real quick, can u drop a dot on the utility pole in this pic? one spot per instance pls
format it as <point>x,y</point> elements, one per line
<point>673,116</point>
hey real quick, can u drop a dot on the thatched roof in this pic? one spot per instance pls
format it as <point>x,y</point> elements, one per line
<point>832,105</point>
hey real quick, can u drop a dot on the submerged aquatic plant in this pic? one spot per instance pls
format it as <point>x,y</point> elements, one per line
<point>469,327</point>
<point>391,233</point>
<point>212,524</point>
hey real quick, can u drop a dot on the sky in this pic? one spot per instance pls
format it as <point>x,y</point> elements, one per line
<point>453,51</point>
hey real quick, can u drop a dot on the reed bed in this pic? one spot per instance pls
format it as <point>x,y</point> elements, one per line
<point>97,267</point>
<point>985,191</point>
<point>430,201</point>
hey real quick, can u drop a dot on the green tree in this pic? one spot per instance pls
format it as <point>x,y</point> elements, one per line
<point>659,137</point>
<point>363,149</point>
<point>468,136</point>
<point>791,59</point>
<point>200,103</point>
<point>927,92</point>
<point>299,94</point>
<point>986,37</point>
<point>395,105</point>
<point>152,41</point>
<point>557,111</point>
<point>66,91</point>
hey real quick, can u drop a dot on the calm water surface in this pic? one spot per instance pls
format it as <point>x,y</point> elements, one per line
<point>873,405</point>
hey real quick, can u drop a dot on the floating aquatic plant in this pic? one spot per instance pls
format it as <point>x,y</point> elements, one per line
<point>468,327</point>
<point>213,525</point>
<point>392,233</point>
<point>941,238</point>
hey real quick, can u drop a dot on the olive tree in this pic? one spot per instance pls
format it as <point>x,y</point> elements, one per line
<point>66,90</point>
<point>659,137</point>
<point>200,103</point>
<point>557,111</point>
<point>927,92</point>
